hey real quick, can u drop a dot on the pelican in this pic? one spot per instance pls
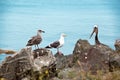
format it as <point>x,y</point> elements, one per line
<point>57,44</point>
<point>35,40</point>
<point>95,30</point>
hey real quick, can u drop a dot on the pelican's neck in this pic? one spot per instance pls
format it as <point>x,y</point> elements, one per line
<point>96,39</point>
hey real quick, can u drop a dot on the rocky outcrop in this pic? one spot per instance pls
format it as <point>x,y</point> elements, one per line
<point>43,57</point>
<point>63,61</point>
<point>92,57</point>
<point>115,58</point>
<point>22,65</point>
<point>16,66</point>
<point>88,57</point>
<point>7,51</point>
<point>117,45</point>
<point>114,62</point>
<point>41,64</point>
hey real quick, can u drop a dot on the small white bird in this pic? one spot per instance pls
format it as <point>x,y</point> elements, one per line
<point>57,44</point>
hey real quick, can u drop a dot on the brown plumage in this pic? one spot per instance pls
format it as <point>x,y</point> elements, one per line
<point>35,40</point>
<point>95,30</point>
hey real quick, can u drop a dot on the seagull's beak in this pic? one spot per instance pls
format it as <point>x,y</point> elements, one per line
<point>65,35</point>
<point>43,31</point>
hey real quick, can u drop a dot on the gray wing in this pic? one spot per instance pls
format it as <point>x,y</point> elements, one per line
<point>55,44</point>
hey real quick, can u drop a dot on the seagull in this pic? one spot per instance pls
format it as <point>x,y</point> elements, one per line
<point>35,40</point>
<point>95,30</point>
<point>57,44</point>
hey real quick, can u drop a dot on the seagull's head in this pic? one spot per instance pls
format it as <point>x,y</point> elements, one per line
<point>63,35</point>
<point>41,31</point>
<point>95,30</point>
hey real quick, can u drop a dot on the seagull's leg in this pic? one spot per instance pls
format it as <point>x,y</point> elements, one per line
<point>37,46</point>
<point>57,50</point>
<point>60,53</point>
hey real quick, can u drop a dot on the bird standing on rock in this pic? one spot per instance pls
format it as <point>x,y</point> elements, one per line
<point>35,40</point>
<point>95,30</point>
<point>57,44</point>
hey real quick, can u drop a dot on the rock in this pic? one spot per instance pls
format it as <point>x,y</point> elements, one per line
<point>117,45</point>
<point>92,57</point>
<point>63,61</point>
<point>44,58</point>
<point>16,66</point>
<point>41,64</point>
<point>22,65</point>
<point>81,50</point>
<point>69,74</point>
<point>7,51</point>
<point>114,62</point>
<point>115,58</point>
<point>81,46</point>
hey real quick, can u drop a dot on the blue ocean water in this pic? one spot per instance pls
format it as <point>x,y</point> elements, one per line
<point>20,19</point>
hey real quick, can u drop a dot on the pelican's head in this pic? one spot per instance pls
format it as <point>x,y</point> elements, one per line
<point>41,31</point>
<point>95,30</point>
<point>63,35</point>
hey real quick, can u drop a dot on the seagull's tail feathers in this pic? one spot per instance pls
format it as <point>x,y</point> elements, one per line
<point>48,46</point>
<point>29,43</point>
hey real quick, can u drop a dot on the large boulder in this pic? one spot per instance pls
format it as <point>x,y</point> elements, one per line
<point>114,62</point>
<point>43,57</point>
<point>91,57</point>
<point>14,67</point>
<point>63,61</point>
<point>117,45</point>
<point>23,65</point>
<point>115,58</point>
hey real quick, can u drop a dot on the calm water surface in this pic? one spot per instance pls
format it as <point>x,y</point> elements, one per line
<point>20,19</point>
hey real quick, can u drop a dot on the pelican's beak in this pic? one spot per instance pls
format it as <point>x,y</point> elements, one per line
<point>92,33</point>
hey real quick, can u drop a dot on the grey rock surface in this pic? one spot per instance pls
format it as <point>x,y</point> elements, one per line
<point>22,65</point>
<point>93,57</point>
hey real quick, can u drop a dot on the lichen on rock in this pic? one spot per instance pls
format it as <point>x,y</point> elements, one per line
<point>86,62</point>
<point>22,65</point>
